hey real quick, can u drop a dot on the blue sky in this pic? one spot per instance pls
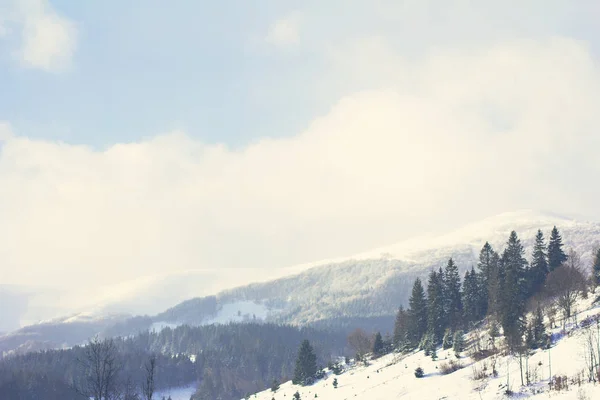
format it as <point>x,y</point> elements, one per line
<point>141,68</point>
<point>141,139</point>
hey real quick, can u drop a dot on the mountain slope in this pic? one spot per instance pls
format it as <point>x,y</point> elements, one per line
<point>377,282</point>
<point>392,376</point>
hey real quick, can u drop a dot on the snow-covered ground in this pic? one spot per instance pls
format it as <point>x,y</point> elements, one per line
<point>392,376</point>
<point>183,393</point>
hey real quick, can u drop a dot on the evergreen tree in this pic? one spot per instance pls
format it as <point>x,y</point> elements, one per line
<point>539,330</point>
<point>529,338</point>
<point>417,312</point>
<point>486,263</point>
<point>275,386</point>
<point>556,255</point>
<point>306,365</point>
<point>493,287</point>
<point>297,396</point>
<point>539,264</point>
<point>458,343</point>
<point>378,344</point>
<point>400,328</point>
<point>436,321</point>
<point>447,341</point>
<point>452,296</point>
<point>335,383</point>
<point>471,297</point>
<point>513,291</point>
<point>596,269</point>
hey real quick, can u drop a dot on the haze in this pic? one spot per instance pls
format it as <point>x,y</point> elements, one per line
<point>141,141</point>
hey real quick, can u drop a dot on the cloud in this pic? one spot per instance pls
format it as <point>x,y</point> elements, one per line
<point>46,39</point>
<point>285,32</point>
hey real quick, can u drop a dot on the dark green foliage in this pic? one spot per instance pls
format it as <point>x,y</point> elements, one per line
<point>539,330</point>
<point>419,373</point>
<point>452,295</point>
<point>458,342</point>
<point>539,264</point>
<point>297,395</point>
<point>473,298</point>
<point>513,286</point>
<point>335,383</point>
<point>306,365</point>
<point>556,255</point>
<point>436,318</point>
<point>596,269</point>
<point>378,345</point>
<point>447,341</point>
<point>275,385</point>
<point>417,312</point>
<point>400,328</point>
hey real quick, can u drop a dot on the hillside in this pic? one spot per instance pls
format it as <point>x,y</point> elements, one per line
<point>364,290</point>
<point>377,282</point>
<point>392,376</point>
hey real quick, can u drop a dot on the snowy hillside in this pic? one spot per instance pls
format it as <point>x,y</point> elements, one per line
<point>377,282</point>
<point>392,376</point>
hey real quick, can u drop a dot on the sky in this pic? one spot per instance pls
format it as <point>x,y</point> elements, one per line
<point>140,138</point>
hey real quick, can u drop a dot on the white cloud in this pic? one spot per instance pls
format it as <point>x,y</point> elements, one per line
<point>285,32</point>
<point>457,136</point>
<point>46,39</point>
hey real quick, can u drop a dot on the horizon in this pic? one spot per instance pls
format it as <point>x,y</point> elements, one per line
<point>139,142</point>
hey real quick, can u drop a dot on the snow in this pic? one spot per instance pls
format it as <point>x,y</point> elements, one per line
<point>239,311</point>
<point>392,376</point>
<point>183,393</point>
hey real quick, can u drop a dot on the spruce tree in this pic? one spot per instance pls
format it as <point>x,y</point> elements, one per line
<point>513,291</point>
<point>306,365</point>
<point>378,344</point>
<point>539,264</point>
<point>596,269</point>
<point>470,297</point>
<point>539,329</point>
<point>452,296</point>
<point>436,321</point>
<point>556,255</point>
<point>447,341</point>
<point>400,328</point>
<point>458,343</point>
<point>417,312</point>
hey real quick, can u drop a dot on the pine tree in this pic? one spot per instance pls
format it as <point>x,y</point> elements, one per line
<point>529,338</point>
<point>447,341</point>
<point>539,264</point>
<point>435,306</point>
<point>556,255</point>
<point>297,396</point>
<point>471,297</point>
<point>513,291</point>
<point>400,328</point>
<point>335,383</point>
<point>596,269</point>
<point>458,343</point>
<point>378,344</point>
<point>306,365</point>
<point>452,296</point>
<point>417,312</point>
<point>539,330</point>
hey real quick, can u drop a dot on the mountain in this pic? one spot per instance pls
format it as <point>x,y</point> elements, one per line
<point>363,290</point>
<point>375,283</point>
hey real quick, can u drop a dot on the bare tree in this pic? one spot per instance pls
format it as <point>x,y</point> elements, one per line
<point>148,385</point>
<point>565,284</point>
<point>102,367</point>
<point>359,341</point>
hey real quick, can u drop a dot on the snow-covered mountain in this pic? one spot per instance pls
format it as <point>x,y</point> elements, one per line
<point>377,282</point>
<point>365,289</point>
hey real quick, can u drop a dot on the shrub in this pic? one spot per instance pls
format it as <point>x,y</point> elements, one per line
<point>450,366</point>
<point>419,373</point>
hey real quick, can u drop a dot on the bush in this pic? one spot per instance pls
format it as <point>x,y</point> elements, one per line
<point>450,366</point>
<point>419,373</point>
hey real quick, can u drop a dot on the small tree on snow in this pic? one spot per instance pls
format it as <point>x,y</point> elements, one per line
<point>335,383</point>
<point>419,373</point>
<point>458,343</point>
